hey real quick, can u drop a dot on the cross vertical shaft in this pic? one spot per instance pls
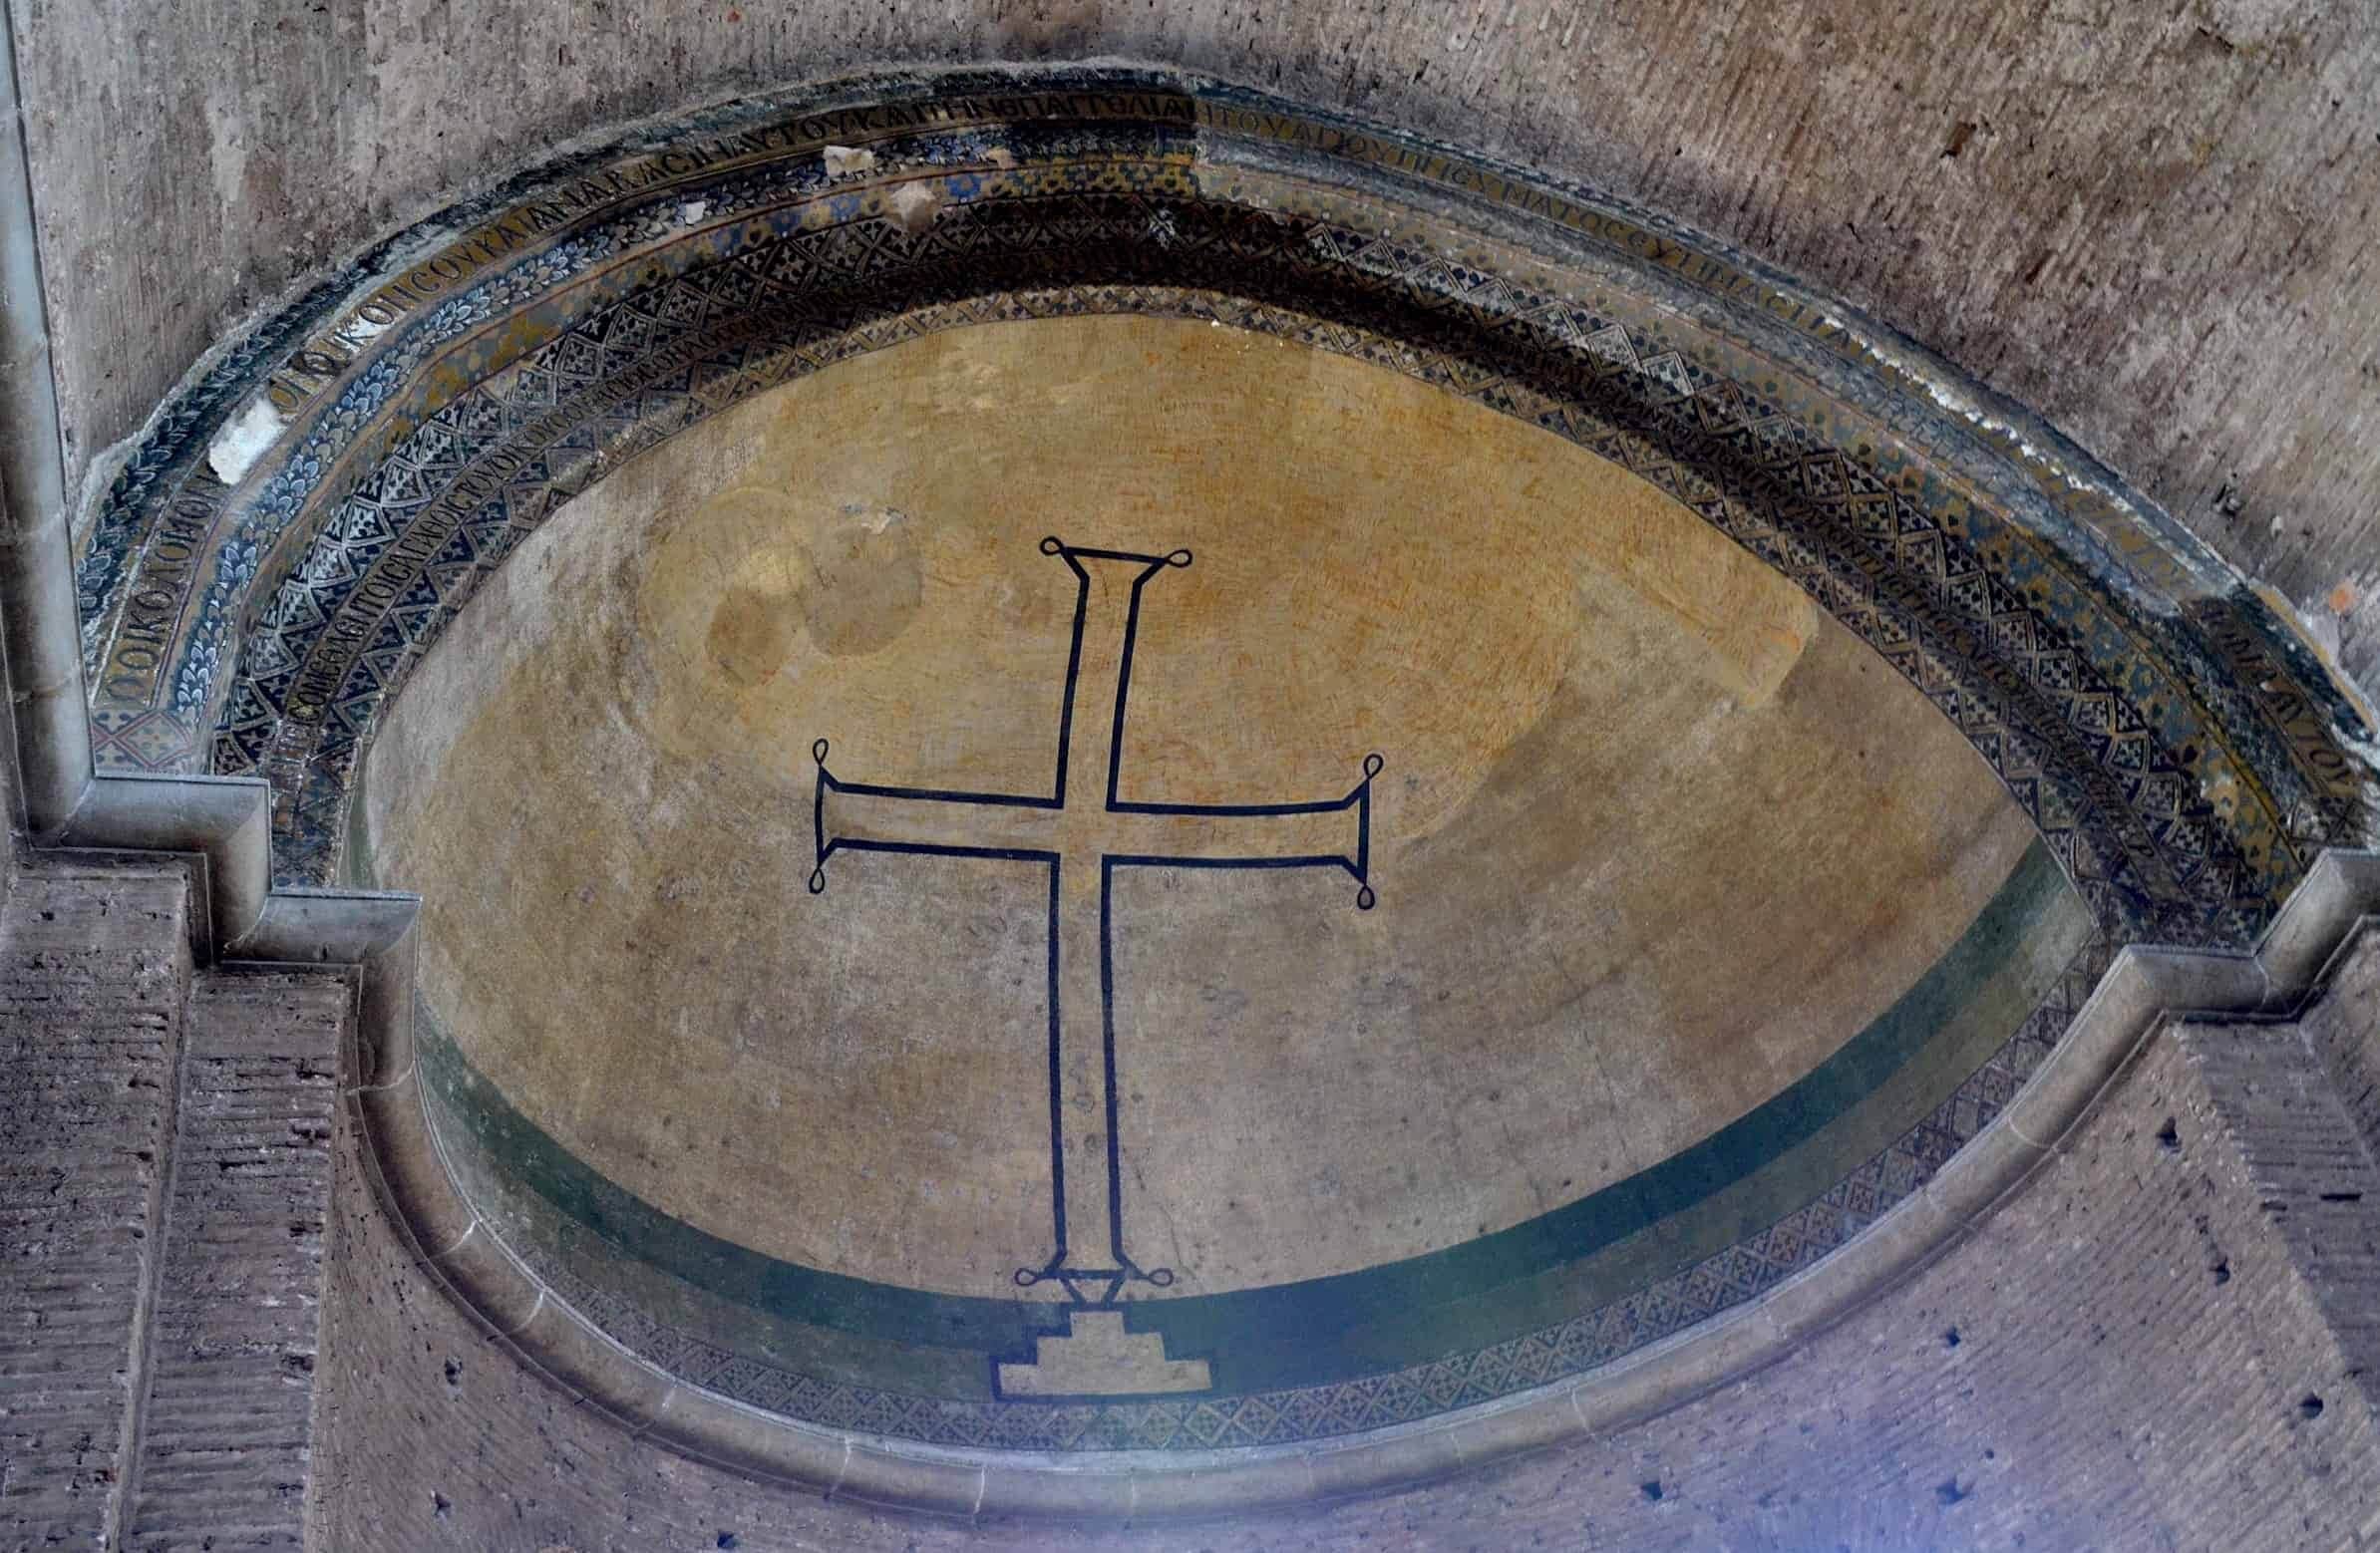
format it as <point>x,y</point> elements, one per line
<point>1084,832</point>
<point>1087,1156</point>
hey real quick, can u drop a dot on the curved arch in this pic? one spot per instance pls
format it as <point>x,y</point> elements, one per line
<point>2099,658</point>
<point>305,519</point>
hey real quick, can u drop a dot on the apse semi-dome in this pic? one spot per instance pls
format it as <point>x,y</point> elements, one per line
<point>1133,800</point>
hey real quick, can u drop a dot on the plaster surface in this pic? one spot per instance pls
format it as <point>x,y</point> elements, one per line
<point>1654,837</point>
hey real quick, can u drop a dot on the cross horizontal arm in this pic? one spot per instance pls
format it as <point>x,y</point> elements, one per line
<point>874,818</point>
<point>860,816</point>
<point>1320,834</point>
<point>1245,836</point>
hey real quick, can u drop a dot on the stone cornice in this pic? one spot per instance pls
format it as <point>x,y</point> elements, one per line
<point>225,821</point>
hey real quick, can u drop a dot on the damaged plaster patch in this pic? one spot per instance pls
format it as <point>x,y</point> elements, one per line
<point>1950,398</point>
<point>227,150</point>
<point>2322,630</point>
<point>2318,628</point>
<point>913,208</point>
<point>242,441</point>
<point>875,519</point>
<point>845,160</point>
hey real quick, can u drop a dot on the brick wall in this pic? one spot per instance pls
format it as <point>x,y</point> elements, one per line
<point>226,1431</point>
<point>2302,1159</point>
<point>12,822</point>
<point>164,1188</point>
<point>2124,1356</point>
<point>2344,1030</point>
<point>93,967</point>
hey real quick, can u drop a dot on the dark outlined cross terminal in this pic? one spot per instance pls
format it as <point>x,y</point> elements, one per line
<point>1083,831</point>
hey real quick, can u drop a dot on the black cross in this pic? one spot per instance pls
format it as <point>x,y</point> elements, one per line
<point>1082,816</point>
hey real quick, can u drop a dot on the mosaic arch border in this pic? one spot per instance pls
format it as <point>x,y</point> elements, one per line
<point>298,522</point>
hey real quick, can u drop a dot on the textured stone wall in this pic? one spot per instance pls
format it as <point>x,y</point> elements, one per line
<point>2124,1356</point>
<point>2305,1162</point>
<point>226,1425</point>
<point>165,1185</point>
<point>12,799</point>
<point>2344,1030</point>
<point>2153,224</point>
<point>93,967</point>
